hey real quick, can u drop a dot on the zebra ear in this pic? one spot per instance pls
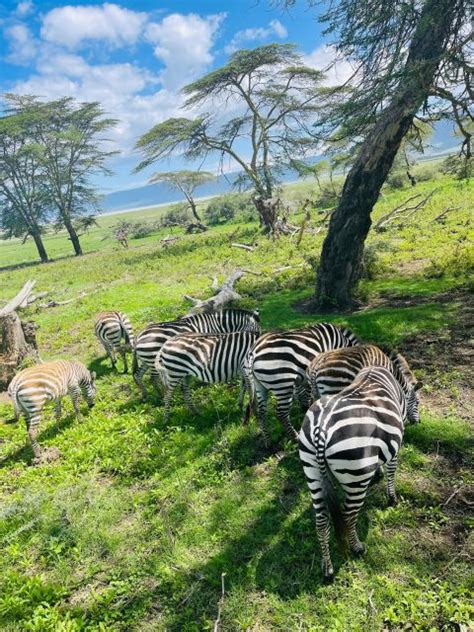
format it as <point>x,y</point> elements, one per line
<point>256,314</point>
<point>417,386</point>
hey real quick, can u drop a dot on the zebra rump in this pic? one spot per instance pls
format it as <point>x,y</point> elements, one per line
<point>349,435</point>
<point>149,342</point>
<point>114,331</point>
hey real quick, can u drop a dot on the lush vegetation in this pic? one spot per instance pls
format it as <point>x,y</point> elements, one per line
<point>134,525</point>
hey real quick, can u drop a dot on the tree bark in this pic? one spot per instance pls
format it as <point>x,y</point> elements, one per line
<point>341,256</point>
<point>267,209</point>
<point>17,342</point>
<point>73,236</point>
<point>40,246</point>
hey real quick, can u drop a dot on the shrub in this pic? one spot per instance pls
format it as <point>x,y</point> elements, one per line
<point>230,207</point>
<point>177,215</point>
<point>459,263</point>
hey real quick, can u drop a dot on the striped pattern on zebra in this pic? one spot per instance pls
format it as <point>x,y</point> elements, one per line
<point>211,358</point>
<point>114,331</point>
<point>349,435</point>
<point>31,388</point>
<point>149,342</point>
<point>278,364</point>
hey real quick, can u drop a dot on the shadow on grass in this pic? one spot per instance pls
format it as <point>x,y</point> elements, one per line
<point>25,453</point>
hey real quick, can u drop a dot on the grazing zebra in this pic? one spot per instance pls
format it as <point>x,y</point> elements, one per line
<point>349,435</point>
<point>114,331</point>
<point>278,363</point>
<point>211,358</point>
<point>151,339</point>
<point>31,388</point>
<point>332,371</point>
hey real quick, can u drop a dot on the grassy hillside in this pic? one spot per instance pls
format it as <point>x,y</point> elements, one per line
<point>135,523</point>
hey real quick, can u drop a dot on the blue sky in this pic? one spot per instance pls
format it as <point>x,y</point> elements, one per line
<point>134,57</point>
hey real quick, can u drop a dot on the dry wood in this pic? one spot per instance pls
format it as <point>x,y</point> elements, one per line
<point>224,294</point>
<point>20,300</point>
<point>445,212</point>
<point>403,210</point>
<point>243,246</point>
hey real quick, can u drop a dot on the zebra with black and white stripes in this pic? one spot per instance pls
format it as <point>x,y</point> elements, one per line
<point>114,331</point>
<point>349,435</point>
<point>149,342</point>
<point>332,371</point>
<point>278,364</point>
<point>211,358</point>
<point>31,388</point>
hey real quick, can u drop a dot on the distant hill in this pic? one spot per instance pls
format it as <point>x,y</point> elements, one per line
<point>441,142</point>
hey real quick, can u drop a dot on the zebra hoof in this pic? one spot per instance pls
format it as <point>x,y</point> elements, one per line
<point>359,550</point>
<point>328,575</point>
<point>392,501</point>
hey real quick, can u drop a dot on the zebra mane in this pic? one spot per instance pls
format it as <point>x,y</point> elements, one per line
<point>401,370</point>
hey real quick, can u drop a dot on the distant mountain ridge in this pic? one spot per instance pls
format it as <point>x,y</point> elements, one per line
<point>155,194</point>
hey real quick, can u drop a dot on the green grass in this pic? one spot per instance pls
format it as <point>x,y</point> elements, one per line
<point>133,527</point>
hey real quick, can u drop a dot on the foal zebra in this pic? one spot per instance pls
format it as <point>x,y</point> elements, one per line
<point>31,388</point>
<point>278,363</point>
<point>111,328</point>
<point>211,358</point>
<point>332,371</point>
<point>349,435</point>
<point>149,342</point>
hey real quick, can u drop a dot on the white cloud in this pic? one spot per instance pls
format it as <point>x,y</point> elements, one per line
<point>183,43</point>
<point>70,26</point>
<point>23,8</point>
<point>274,28</point>
<point>23,47</point>
<point>325,58</point>
<point>120,88</point>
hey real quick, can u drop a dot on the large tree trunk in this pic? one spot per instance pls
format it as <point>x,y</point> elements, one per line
<point>73,236</point>
<point>267,209</point>
<point>202,227</point>
<point>341,256</point>
<point>40,246</point>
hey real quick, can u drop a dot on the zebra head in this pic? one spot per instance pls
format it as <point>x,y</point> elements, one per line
<point>89,388</point>
<point>413,402</point>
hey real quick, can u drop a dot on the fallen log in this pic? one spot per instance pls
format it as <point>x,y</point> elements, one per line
<point>243,246</point>
<point>224,294</point>
<point>402,211</point>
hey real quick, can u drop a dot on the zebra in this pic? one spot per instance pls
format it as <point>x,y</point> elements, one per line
<point>211,358</point>
<point>349,435</point>
<point>278,363</point>
<point>114,331</point>
<point>332,371</point>
<point>149,342</point>
<point>31,388</point>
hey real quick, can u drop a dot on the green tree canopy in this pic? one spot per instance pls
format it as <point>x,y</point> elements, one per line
<point>186,182</point>
<point>264,97</point>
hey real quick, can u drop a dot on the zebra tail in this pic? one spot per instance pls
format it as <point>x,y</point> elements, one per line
<point>249,378</point>
<point>162,372</point>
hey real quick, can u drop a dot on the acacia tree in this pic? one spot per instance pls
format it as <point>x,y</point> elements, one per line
<point>23,187</point>
<point>186,182</point>
<point>413,59</point>
<point>264,96</point>
<point>72,152</point>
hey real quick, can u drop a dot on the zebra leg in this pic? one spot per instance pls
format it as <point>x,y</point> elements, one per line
<point>167,402</point>
<point>314,479</point>
<point>355,497</point>
<point>123,353</point>
<point>58,410</point>
<point>32,424</point>
<point>262,403</point>
<point>242,394</point>
<point>283,413</point>
<point>156,383</point>
<point>138,377</point>
<point>75,393</point>
<point>391,468</point>
<point>187,395</point>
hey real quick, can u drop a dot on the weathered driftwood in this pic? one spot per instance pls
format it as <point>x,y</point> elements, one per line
<point>442,215</point>
<point>224,294</point>
<point>17,338</point>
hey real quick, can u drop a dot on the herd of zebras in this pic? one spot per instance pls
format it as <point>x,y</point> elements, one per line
<point>361,396</point>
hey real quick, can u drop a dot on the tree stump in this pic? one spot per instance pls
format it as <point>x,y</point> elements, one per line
<point>17,338</point>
